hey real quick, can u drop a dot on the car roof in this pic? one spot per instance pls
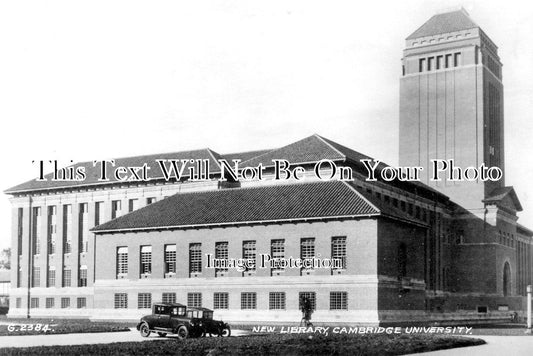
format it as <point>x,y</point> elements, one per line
<point>200,308</point>
<point>171,304</point>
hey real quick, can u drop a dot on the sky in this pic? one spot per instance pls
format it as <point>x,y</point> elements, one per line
<point>87,80</point>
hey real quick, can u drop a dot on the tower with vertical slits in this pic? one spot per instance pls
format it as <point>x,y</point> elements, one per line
<point>451,103</point>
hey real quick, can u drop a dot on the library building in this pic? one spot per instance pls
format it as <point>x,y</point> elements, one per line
<point>383,251</point>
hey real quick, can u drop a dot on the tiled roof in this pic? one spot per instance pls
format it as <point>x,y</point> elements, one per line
<point>244,156</point>
<point>445,23</point>
<point>150,160</point>
<point>386,209</point>
<point>244,205</point>
<point>500,193</point>
<point>356,157</point>
<point>309,149</point>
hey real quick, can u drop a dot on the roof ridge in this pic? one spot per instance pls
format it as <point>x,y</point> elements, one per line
<point>212,153</point>
<point>261,155</point>
<point>323,139</point>
<point>362,197</point>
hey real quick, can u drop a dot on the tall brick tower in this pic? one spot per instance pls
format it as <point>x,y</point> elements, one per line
<point>451,103</point>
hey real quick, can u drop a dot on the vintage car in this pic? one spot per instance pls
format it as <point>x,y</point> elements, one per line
<point>174,318</point>
<point>204,317</point>
<point>169,318</point>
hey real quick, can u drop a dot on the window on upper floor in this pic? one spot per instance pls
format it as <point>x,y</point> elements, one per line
<point>221,254</point>
<point>146,260</point>
<point>170,258</point>
<point>116,207</point>
<point>338,250</point>
<point>249,253</point>
<point>82,277</point>
<point>195,258</point>
<point>122,260</point>
<point>277,253</point>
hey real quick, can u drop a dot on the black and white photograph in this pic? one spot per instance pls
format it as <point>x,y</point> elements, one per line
<point>266,177</point>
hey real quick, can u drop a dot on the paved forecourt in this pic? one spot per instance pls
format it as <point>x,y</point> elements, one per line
<point>84,338</point>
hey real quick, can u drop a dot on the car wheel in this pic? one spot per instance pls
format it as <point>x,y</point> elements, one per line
<point>226,332</point>
<point>162,334</point>
<point>182,332</point>
<point>145,330</point>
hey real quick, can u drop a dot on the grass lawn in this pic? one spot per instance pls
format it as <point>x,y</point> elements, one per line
<point>12,327</point>
<point>274,344</point>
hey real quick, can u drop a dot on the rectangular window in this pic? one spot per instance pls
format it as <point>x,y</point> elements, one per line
<point>36,233</point>
<point>52,229</point>
<point>170,258</point>
<point>307,248</point>
<point>51,280</point>
<point>440,62</point>
<point>98,212</point>
<point>431,63</point>
<point>338,250</point>
<point>220,301</point>
<point>195,258</point>
<point>34,303</point>
<point>65,303</point>
<point>221,253</point>
<point>116,207</point>
<point>20,223</point>
<point>150,200</point>
<point>276,300</point>
<point>311,296</point>
<point>338,300</point>
<point>67,228</point>
<point>82,277</point>
<point>194,300</point>
<point>122,261</point>
<point>249,253</point>
<point>448,61</point>
<point>49,303</point>
<point>422,65</point>
<point>121,300</point>
<point>81,303</point>
<point>169,297</point>
<point>144,301</point>
<point>83,227</point>
<point>248,300</point>
<point>277,252</point>
<point>456,59</point>
<point>146,259</point>
<point>133,204</point>
<point>36,277</point>
<point>19,303</point>
<point>67,277</point>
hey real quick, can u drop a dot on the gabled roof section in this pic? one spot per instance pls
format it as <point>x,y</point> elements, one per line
<point>310,149</point>
<point>276,203</point>
<point>458,20</point>
<point>498,195</point>
<point>244,156</point>
<point>93,173</point>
